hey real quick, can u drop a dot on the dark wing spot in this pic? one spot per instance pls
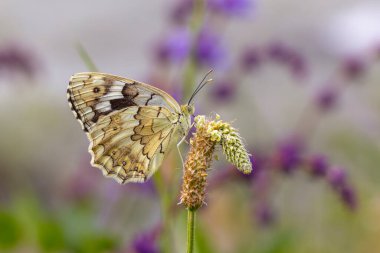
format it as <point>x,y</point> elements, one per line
<point>129,90</point>
<point>121,103</point>
<point>96,116</point>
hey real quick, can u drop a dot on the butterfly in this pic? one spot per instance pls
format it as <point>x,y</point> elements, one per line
<point>130,124</point>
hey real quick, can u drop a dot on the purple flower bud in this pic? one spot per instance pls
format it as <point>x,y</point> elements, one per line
<point>297,65</point>
<point>146,242</point>
<point>16,59</point>
<point>319,165</point>
<point>289,155</point>
<point>231,7</point>
<point>353,67</point>
<point>251,59</point>
<point>175,48</point>
<point>349,198</point>
<point>223,91</point>
<point>327,98</point>
<point>182,11</point>
<point>209,49</point>
<point>337,178</point>
<point>264,215</point>
<point>279,52</point>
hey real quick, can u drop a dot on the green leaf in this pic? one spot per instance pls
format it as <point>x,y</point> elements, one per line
<point>10,230</point>
<point>50,235</point>
<point>281,242</point>
<point>94,243</point>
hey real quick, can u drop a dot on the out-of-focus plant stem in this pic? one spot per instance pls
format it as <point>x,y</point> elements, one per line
<point>190,230</point>
<point>86,58</point>
<point>191,66</point>
<point>165,208</point>
<point>189,82</point>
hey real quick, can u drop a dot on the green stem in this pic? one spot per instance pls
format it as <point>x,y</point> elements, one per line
<point>190,230</point>
<point>191,66</point>
<point>165,207</point>
<point>86,58</point>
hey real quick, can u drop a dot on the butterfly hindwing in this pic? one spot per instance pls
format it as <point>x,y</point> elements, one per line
<point>93,95</point>
<point>129,144</point>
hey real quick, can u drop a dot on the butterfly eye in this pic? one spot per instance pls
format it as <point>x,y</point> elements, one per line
<point>190,109</point>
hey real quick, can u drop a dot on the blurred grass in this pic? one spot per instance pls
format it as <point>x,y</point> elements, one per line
<point>86,58</point>
<point>10,232</point>
<point>26,225</point>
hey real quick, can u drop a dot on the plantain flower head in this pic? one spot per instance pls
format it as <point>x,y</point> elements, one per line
<point>208,135</point>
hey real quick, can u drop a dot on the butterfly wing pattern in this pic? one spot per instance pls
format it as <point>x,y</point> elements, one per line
<point>130,124</point>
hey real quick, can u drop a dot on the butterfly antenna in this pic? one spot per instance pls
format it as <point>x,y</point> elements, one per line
<point>201,85</point>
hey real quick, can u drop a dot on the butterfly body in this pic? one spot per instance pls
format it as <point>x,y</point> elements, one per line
<point>130,125</point>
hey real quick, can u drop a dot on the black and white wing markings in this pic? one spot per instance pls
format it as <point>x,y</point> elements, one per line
<point>92,95</point>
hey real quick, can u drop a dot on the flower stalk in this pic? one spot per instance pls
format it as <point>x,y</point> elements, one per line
<point>208,134</point>
<point>190,230</point>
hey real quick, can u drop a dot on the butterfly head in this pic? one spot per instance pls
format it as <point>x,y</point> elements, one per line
<point>187,110</point>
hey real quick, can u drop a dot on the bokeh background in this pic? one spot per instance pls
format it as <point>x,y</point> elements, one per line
<point>299,79</point>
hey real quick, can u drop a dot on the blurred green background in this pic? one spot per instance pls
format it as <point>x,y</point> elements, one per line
<point>299,79</point>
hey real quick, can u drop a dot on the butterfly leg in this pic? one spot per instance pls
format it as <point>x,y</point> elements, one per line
<point>179,151</point>
<point>181,141</point>
<point>191,126</point>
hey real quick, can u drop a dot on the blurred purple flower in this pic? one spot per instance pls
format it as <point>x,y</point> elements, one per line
<point>81,187</point>
<point>16,59</point>
<point>327,98</point>
<point>319,165</point>
<point>264,214</point>
<point>251,59</point>
<point>209,50</point>
<point>349,198</point>
<point>353,67</point>
<point>281,53</point>
<point>182,11</point>
<point>231,7</point>
<point>337,178</point>
<point>146,242</point>
<point>297,65</point>
<point>175,48</point>
<point>289,154</point>
<point>223,91</point>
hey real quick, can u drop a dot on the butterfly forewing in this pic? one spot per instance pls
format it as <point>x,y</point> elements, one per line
<point>92,95</point>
